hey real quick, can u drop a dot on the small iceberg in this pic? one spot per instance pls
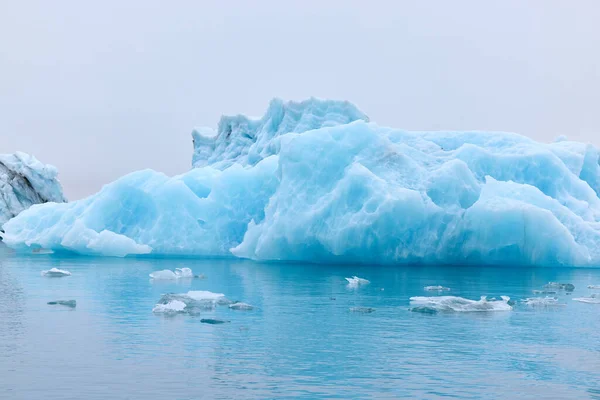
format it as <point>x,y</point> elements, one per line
<point>192,302</point>
<point>241,306</point>
<point>355,282</point>
<point>55,273</point>
<point>568,287</point>
<point>172,307</point>
<point>67,303</point>
<point>593,299</point>
<point>167,274</point>
<point>213,321</point>
<point>437,288</point>
<point>431,305</point>
<point>594,287</point>
<point>542,302</point>
<point>364,310</point>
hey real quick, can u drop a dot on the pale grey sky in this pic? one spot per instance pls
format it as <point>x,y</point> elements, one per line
<point>103,88</point>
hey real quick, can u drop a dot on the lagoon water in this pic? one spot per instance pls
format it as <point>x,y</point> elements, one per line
<point>300,341</point>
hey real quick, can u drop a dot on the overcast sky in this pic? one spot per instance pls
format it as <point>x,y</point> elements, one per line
<point>103,88</point>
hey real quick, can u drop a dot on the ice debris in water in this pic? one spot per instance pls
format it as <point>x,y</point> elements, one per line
<point>458,304</point>
<point>568,287</point>
<point>213,321</point>
<point>195,301</point>
<point>437,288</point>
<point>316,181</point>
<point>592,299</point>
<point>173,306</point>
<point>544,291</point>
<point>594,287</point>
<point>364,310</point>
<point>355,281</point>
<point>241,306</point>
<point>543,302</point>
<point>55,273</point>
<point>68,303</point>
<point>167,274</point>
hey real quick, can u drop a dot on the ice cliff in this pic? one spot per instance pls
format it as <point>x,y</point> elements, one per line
<point>316,181</point>
<point>25,181</point>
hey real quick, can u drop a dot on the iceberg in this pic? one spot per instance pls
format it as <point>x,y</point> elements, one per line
<point>316,181</point>
<point>167,274</point>
<point>430,305</point>
<point>24,181</point>
<point>172,307</point>
<point>355,282</point>
<point>56,273</point>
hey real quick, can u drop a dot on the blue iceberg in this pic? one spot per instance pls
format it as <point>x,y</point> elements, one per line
<point>317,181</point>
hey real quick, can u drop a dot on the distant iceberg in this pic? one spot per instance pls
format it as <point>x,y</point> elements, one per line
<point>24,181</point>
<point>315,181</point>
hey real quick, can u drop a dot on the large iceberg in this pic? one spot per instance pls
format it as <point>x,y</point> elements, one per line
<point>316,181</point>
<point>24,181</point>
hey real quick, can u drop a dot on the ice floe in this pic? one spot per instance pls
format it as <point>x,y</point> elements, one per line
<point>355,282</point>
<point>458,304</point>
<point>241,306</point>
<point>55,273</point>
<point>592,299</point>
<point>167,274</point>
<point>542,302</point>
<point>172,307</point>
<point>437,288</point>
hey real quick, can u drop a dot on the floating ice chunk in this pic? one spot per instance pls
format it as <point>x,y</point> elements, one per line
<point>543,302</point>
<point>355,282</point>
<point>568,287</point>
<point>544,292</point>
<point>458,304</point>
<point>365,310</point>
<point>595,287</point>
<point>436,288</point>
<point>55,273</point>
<point>173,306</point>
<point>241,306</point>
<point>68,303</point>
<point>167,274</point>
<point>213,321</point>
<point>204,295</point>
<point>592,299</point>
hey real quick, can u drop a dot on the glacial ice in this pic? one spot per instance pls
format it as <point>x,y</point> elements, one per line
<point>173,306</point>
<point>167,274</point>
<point>543,302</point>
<point>315,181</point>
<point>355,282</point>
<point>56,273</point>
<point>241,306</point>
<point>24,181</point>
<point>458,304</point>
<point>437,288</point>
<point>592,299</point>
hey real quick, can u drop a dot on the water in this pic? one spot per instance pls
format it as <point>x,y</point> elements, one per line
<point>300,341</point>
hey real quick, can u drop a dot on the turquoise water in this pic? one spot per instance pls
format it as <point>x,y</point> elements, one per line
<point>301,340</point>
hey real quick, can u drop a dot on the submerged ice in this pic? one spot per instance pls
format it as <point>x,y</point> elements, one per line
<point>24,181</point>
<point>316,181</point>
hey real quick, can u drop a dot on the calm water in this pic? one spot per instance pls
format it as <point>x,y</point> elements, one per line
<point>300,342</point>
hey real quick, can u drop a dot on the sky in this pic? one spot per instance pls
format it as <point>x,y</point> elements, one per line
<point>101,89</point>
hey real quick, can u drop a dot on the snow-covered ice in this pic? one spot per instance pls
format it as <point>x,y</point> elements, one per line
<point>24,181</point>
<point>355,282</point>
<point>458,304</point>
<point>55,273</point>
<point>316,181</point>
<point>167,274</point>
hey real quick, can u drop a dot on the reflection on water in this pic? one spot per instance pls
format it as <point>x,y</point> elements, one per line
<point>300,341</point>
